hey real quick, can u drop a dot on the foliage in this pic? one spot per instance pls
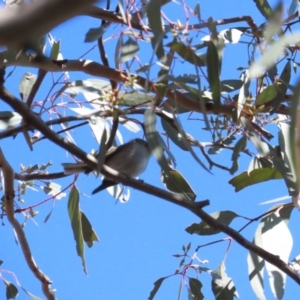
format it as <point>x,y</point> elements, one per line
<point>238,115</point>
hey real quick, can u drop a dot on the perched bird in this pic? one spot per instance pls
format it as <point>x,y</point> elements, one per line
<point>130,158</point>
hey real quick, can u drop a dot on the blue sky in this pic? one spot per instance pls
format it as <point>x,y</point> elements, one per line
<point>137,239</point>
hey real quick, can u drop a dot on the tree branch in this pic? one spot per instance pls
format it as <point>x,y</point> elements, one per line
<point>8,175</point>
<point>195,207</point>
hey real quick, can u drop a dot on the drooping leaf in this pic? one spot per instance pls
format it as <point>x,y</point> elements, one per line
<point>163,80</point>
<point>25,84</point>
<point>225,217</point>
<point>76,223</point>
<point>195,289</point>
<point>129,49</point>
<point>274,227</point>
<point>154,141</point>
<point>231,85</point>
<point>173,132</point>
<point>213,73</point>
<point>287,149</point>
<point>223,286</point>
<point>246,179</point>
<point>256,266</point>
<point>94,34</point>
<point>134,99</point>
<point>268,94</point>
<point>264,8</point>
<point>55,50</point>
<point>239,146</point>
<point>11,290</point>
<point>89,235</point>
<point>187,53</point>
<point>176,183</point>
<point>157,285</point>
<point>155,22</point>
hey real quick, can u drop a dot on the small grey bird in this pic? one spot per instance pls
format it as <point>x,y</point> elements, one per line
<point>130,158</point>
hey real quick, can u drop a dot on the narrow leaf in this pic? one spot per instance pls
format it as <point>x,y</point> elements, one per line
<point>129,49</point>
<point>25,84</point>
<point>11,290</point>
<point>176,183</point>
<point>256,266</point>
<point>195,288</point>
<point>157,285</point>
<point>155,22</point>
<point>264,8</point>
<point>75,218</point>
<point>213,73</point>
<point>225,217</point>
<point>274,227</point>
<point>223,286</point>
<point>89,235</point>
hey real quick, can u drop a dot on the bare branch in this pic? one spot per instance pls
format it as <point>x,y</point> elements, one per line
<point>8,175</point>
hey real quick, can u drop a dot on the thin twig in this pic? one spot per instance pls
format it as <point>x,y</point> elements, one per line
<point>9,195</point>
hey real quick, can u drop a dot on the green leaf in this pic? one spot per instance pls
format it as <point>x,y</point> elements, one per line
<point>268,94</point>
<point>213,72</point>
<point>195,288</point>
<point>187,53</point>
<point>89,235</point>
<point>173,133</point>
<point>163,79</point>
<point>48,216</point>
<point>11,290</point>
<point>157,285</point>
<point>154,141</point>
<point>239,146</point>
<point>129,50</point>
<point>273,227</point>
<point>246,179</point>
<point>264,8</point>
<point>25,85</point>
<point>155,23</point>
<point>94,34</point>
<point>9,119</point>
<point>134,99</point>
<point>295,159</point>
<point>223,286</point>
<point>75,218</point>
<point>55,50</point>
<point>231,85</point>
<point>225,217</point>
<point>176,183</point>
<point>256,266</point>
<point>287,149</point>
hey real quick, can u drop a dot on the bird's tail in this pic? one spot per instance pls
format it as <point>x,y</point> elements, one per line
<point>71,168</point>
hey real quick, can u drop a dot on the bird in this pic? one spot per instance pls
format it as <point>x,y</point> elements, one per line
<point>130,158</point>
